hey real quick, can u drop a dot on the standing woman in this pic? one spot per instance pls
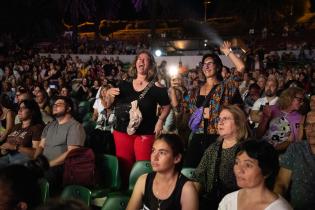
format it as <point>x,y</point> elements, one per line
<point>213,175</point>
<point>226,92</point>
<point>131,148</point>
<point>165,188</point>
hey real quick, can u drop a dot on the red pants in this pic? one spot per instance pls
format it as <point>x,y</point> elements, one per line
<point>131,148</point>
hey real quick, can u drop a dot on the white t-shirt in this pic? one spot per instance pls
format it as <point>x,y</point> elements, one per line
<point>263,101</point>
<point>229,202</point>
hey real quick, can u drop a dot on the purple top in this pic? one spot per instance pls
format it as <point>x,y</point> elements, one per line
<point>282,125</point>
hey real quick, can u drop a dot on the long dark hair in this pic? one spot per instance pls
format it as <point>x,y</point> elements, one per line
<point>32,105</point>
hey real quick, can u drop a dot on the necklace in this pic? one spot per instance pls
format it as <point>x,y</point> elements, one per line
<point>159,201</point>
<point>159,204</point>
<point>140,82</point>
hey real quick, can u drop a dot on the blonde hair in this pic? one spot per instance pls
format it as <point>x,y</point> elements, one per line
<point>240,121</point>
<point>287,96</point>
<point>152,66</point>
<point>104,87</point>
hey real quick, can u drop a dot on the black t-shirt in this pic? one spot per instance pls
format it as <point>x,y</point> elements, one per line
<point>148,105</point>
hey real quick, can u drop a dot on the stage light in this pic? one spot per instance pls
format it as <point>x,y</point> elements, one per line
<point>173,71</point>
<point>158,53</point>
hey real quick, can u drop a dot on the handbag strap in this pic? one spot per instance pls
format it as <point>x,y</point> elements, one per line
<point>147,88</point>
<point>209,94</point>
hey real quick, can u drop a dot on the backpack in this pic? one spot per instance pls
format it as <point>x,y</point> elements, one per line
<point>79,167</point>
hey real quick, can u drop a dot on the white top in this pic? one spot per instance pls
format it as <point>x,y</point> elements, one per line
<point>229,202</point>
<point>103,122</point>
<point>263,101</point>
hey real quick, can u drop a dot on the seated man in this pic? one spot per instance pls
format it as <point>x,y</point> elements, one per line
<point>298,169</point>
<point>59,138</point>
<point>270,98</point>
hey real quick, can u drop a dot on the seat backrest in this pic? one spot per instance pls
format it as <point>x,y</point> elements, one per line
<point>77,192</point>
<point>108,167</point>
<point>188,172</point>
<point>139,168</point>
<point>44,189</point>
<point>116,202</point>
<point>79,167</point>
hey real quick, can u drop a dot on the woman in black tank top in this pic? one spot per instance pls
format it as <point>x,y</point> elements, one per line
<point>165,188</point>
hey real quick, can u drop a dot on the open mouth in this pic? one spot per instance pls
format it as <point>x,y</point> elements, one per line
<point>141,65</point>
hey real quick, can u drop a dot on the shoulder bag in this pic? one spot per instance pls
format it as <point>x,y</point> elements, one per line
<point>197,116</point>
<point>128,114</point>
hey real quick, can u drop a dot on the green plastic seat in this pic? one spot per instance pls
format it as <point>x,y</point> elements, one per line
<point>44,189</point>
<point>116,202</point>
<point>77,192</point>
<point>84,106</point>
<point>188,172</point>
<point>110,181</point>
<point>139,168</point>
<point>83,109</point>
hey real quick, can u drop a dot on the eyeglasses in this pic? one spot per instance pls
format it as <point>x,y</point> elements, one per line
<point>59,104</point>
<point>208,64</point>
<point>309,125</point>
<point>299,99</point>
<point>223,119</point>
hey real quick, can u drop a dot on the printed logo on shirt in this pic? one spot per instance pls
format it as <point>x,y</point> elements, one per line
<point>145,207</point>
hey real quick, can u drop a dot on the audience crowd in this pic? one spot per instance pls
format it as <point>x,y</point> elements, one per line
<point>52,106</point>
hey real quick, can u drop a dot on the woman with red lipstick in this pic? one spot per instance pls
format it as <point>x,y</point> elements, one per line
<point>256,165</point>
<point>213,175</point>
<point>165,188</point>
<point>130,148</point>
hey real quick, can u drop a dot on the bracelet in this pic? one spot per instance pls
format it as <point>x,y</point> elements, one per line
<point>228,53</point>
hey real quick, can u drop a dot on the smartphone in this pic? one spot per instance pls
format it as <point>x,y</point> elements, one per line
<point>53,86</point>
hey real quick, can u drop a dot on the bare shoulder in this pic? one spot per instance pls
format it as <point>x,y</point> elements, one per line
<point>189,197</point>
<point>142,178</point>
<point>140,184</point>
<point>189,187</point>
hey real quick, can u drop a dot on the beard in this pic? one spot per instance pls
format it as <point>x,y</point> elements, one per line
<point>269,93</point>
<point>59,114</point>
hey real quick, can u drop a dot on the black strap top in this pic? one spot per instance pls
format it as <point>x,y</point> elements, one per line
<point>150,202</point>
